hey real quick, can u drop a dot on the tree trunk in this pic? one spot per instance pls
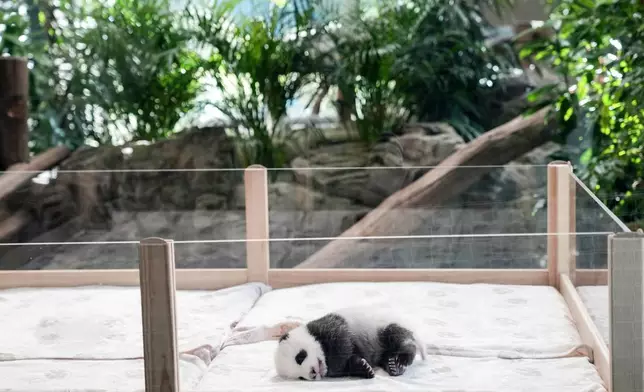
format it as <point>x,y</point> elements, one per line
<point>14,95</point>
<point>19,174</point>
<point>496,147</point>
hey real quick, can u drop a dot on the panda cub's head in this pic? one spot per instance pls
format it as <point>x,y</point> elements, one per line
<point>299,356</point>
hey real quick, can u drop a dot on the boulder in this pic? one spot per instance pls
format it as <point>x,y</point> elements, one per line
<point>143,177</point>
<point>420,145</point>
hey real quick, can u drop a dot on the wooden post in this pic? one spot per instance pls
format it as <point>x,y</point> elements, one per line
<point>561,222</point>
<point>14,98</point>
<point>257,228</point>
<point>626,274</point>
<point>158,311</point>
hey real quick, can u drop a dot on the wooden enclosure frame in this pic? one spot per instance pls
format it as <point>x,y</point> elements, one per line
<point>561,273</point>
<point>626,285</point>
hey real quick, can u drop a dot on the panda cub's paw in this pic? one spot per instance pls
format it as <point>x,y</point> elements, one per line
<point>368,370</point>
<point>395,367</point>
<point>359,367</point>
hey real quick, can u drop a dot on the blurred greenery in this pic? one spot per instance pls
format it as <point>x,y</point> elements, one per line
<point>598,48</point>
<point>109,72</point>
<point>260,65</point>
<point>102,74</point>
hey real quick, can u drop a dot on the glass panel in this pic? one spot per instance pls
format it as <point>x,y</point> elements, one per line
<point>60,256</point>
<point>594,222</point>
<point>496,222</point>
<point>93,328</point>
<point>103,208</point>
<point>75,325</point>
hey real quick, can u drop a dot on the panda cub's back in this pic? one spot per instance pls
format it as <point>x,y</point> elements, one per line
<point>364,332</point>
<point>365,326</point>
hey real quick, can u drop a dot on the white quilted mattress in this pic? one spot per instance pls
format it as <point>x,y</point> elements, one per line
<point>249,368</point>
<point>467,320</point>
<point>90,338</point>
<point>87,339</point>
<point>596,300</point>
<point>87,375</point>
<point>101,322</point>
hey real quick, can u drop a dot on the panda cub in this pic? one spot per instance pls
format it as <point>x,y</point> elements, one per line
<point>346,343</point>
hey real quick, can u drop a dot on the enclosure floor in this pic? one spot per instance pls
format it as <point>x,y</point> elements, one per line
<point>479,337</point>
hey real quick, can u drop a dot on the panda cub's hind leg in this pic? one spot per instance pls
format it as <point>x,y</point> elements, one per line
<point>399,349</point>
<point>359,367</point>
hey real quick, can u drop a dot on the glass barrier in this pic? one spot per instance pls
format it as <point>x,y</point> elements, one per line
<point>479,217</point>
<point>63,333</point>
<point>81,219</point>
<point>593,223</point>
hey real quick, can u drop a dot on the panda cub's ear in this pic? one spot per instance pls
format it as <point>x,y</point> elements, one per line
<point>280,331</point>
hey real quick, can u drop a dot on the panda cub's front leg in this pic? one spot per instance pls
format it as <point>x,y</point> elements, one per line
<point>359,367</point>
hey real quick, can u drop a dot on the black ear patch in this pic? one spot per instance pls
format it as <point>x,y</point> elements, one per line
<point>300,357</point>
<point>283,337</point>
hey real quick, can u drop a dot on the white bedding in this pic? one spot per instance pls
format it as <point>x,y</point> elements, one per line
<point>249,368</point>
<point>95,331</point>
<point>468,320</point>
<point>596,300</point>
<point>105,322</point>
<point>85,376</point>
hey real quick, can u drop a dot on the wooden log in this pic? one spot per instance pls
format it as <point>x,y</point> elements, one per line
<point>20,173</point>
<point>14,97</point>
<point>496,147</point>
<point>13,224</point>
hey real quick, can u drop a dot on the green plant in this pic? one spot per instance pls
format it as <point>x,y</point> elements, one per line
<point>103,74</point>
<point>143,52</point>
<point>400,59</point>
<point>129,70</point>
<point>598,48</point>
<point>260,68</point>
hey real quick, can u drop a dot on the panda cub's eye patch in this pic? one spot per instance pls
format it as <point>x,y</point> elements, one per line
<point>300,357</point>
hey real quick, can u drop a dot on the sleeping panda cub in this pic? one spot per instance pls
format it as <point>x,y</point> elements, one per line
<point>347,343</point>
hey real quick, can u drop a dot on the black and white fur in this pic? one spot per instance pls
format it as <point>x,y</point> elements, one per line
<point>347,343</point>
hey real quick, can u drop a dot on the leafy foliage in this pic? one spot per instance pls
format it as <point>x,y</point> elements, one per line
<point>103,74</point>
<point>421,59</point>
<point>108,72</point>
<point>262,67</point>
<point>598,47</point>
